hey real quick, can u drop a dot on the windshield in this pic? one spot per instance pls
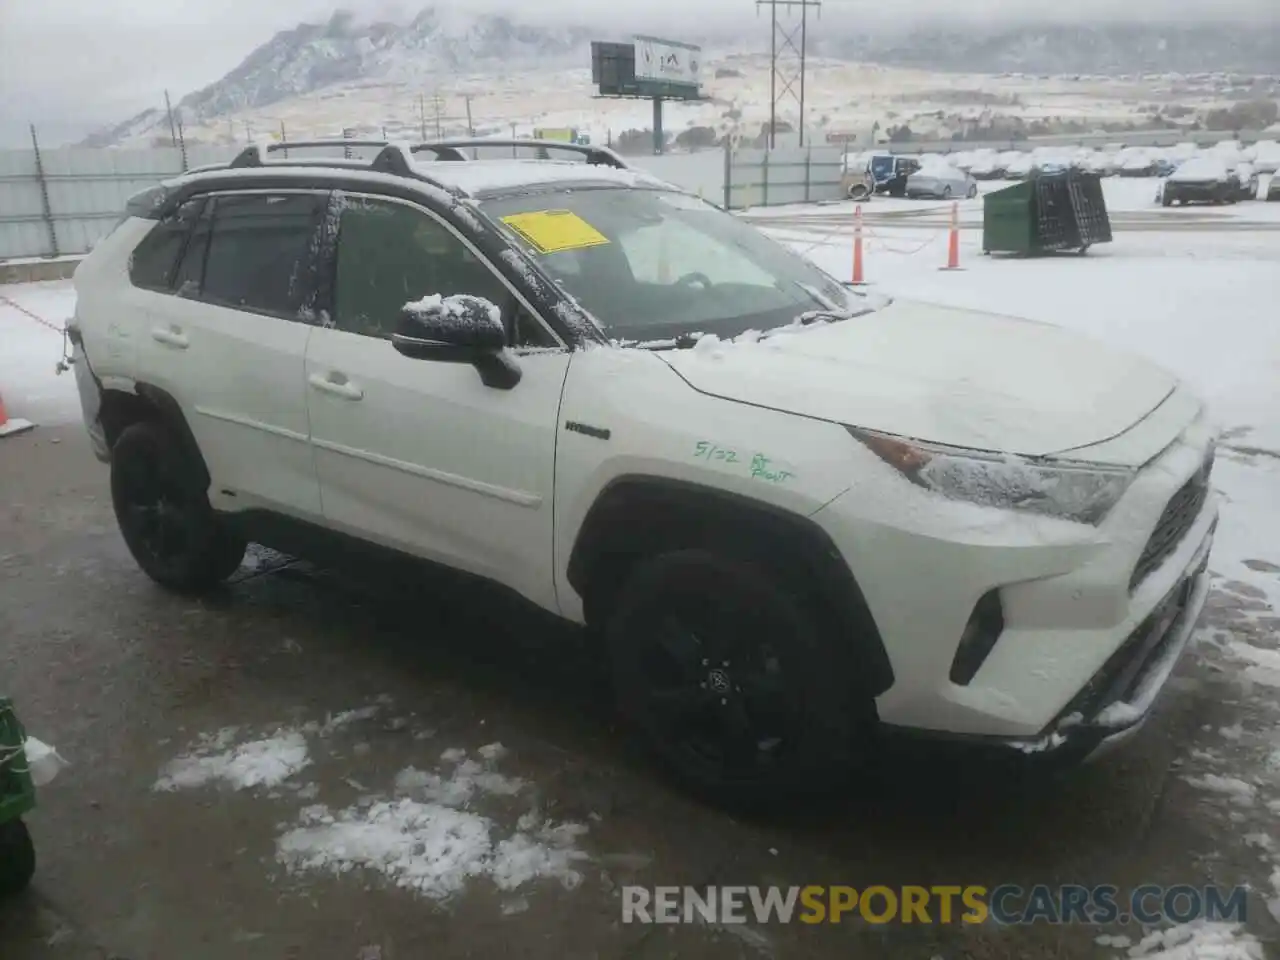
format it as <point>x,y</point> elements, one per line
<point>653,265</point>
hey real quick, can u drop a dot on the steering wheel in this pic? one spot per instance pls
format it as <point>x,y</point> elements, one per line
<point>689,279</point>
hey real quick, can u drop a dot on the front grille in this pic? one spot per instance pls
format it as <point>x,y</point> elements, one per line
<point>1178,516</point>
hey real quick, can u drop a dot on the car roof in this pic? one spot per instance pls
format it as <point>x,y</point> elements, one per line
<point>488,178</point>
<point>442,165</point>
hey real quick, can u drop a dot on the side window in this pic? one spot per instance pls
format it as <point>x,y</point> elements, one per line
<point>260,253</point>
<point>390,254</point>
<point>154,259</point>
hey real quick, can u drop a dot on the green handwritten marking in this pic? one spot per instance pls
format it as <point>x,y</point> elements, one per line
<point>760,467</point>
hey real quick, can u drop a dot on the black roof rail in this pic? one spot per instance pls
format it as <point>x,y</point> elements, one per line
<point>453,149</point>
<point>252,155</point>
<point>393,159</point>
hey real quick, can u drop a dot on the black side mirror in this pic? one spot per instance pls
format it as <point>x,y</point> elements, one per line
<point>458,329</point>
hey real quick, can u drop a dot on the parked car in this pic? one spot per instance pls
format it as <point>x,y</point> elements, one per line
<point>1138,165</point>
<point>1203,179</point>
<point>890,173</point>
<point>1164,167</point>
<point>1273,188</point>
<point>1021,167</point>
<point>986,168</point>
<point>1249,181</point>
<point>492,365</point>
<point>940,180</point>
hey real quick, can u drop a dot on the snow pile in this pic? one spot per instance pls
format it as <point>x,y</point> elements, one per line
<point>259,763</point>
<point>1233,787</point>
<point>1199,940</point>
<point>428,840</point>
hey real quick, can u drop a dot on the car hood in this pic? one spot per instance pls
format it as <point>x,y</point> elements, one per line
<point>931,373</point>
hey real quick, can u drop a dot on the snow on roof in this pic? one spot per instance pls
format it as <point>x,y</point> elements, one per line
<point>937,167</point>
<point>488,176</point>
<point>1201,168</point>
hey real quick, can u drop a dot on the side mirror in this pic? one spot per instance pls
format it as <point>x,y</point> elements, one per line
<point>458,329</point>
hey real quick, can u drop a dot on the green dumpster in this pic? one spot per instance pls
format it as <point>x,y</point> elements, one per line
<point>1047,213</point>
<point>17,798</point>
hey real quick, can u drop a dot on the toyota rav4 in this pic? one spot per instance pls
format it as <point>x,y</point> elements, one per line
<point>793,516</point>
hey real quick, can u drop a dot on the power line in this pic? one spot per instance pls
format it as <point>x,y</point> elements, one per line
<point>788,48</point>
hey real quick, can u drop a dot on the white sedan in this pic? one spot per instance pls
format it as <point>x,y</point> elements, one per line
<point>942,181</point>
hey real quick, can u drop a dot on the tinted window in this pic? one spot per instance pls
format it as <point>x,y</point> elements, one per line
<point>260,254</point>
<point>390,254</point>
<point>154,259</point>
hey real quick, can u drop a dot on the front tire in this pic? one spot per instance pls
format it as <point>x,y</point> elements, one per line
<point>17,858</point>
<point>164,514</point>
<point>724,675</point>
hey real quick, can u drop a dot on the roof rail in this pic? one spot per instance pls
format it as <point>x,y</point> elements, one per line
<point>253,155</point>
<point>453,149</point>
<point>393,159</point>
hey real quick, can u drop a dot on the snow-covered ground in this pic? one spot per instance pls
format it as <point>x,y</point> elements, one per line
<point>1203,301</point>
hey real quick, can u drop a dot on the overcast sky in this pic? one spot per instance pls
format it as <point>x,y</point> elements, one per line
<point>69,65</point>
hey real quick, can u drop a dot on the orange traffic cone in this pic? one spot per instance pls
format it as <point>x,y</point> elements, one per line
<point>10,427</point>
<point>953,242</point>
<point>858,280</point>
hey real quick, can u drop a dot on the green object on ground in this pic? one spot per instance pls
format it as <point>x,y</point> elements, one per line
<point>17,797</point>
<point>1045,214</point>
<point>17,794</point>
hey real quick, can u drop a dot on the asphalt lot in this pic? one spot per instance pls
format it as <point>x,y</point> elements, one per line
<point>121,677</point>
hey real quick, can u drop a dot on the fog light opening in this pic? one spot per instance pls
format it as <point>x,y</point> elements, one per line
<point>985,625</point>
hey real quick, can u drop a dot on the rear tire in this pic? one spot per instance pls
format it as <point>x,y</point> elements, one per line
<point>725,676</point>
<point>17,858</point>
<point>164,514</point>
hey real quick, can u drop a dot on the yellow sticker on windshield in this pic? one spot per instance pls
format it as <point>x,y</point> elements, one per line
<point>551,231</point>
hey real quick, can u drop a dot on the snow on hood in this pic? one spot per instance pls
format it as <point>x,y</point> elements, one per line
<point>967,379</point>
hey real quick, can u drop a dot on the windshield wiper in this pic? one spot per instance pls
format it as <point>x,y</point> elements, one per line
<point>681,341</point>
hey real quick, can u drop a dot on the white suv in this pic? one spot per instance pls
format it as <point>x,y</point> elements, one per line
<point>792,517</point>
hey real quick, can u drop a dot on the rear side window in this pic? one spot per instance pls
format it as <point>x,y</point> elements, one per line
<point>261,252</point>
<point>155,258</point>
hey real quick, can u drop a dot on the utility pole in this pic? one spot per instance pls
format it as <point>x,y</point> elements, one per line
<point>422,115</point>
<point>173,131</point>
<point>788,49</point>
<point>471,128</point>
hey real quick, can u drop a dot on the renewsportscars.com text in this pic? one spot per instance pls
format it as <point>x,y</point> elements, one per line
<point>1006,904</point>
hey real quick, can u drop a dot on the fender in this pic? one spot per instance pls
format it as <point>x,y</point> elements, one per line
<point>626,522</point>
<point>119,409</point>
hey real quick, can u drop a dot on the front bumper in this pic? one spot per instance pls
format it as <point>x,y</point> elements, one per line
<point>90,391</point>
<point>1117,701</point>
<point>1073,599</point>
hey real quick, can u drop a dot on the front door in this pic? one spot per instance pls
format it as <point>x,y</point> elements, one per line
<point>417,454</point>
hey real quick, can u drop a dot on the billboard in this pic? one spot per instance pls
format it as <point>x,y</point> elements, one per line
<point>667,61</point>
<point>614,71</point>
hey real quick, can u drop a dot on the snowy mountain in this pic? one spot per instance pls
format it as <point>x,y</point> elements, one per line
<point>1107,49</point>
<point>436,42</point>
<point>319,60</point>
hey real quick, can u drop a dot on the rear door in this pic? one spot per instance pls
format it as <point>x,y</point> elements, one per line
<point>230,345</point>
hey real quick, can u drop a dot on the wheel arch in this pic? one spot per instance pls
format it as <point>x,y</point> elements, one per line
<point>148,402</point>
<point>635,516</point>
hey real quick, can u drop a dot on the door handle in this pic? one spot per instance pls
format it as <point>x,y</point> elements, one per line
<point>339,388</point>
<point>170,336</point>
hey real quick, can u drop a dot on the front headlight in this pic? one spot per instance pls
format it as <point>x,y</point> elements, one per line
<point>1083,492</point>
